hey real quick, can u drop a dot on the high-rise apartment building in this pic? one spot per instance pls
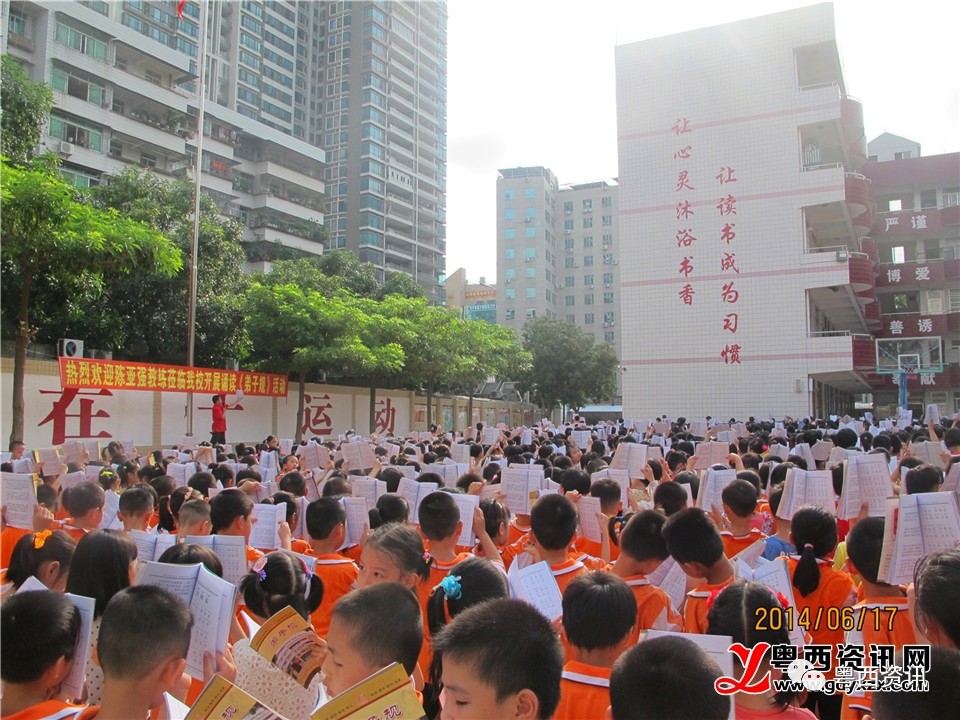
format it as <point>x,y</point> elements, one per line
<point>747,288</point>
<point>558,252</point>
<point>310,107</point>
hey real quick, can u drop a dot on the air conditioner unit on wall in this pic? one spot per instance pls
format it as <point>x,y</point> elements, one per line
<point>66,148</point>
<point>70,348</point>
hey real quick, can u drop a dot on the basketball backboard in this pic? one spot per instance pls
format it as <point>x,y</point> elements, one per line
<point>909,355</point>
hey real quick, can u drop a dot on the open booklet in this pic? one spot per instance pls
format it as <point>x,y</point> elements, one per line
<point>716,646</point>
<point>536,585</point>
<point>711,488</point>
<point>222,699</point>
<point>385,695</point>
<point>671,578</point>
<point>521,487</point>
<point>19,495</point>
<point>151,545</point>
<point>289,642</point>
<point>619,475</point>
<point>866,479</point>
<point>212,602</point>
<point>915,526</point>
<point>807,487</point>
<point>232,551</point>
<point>415,492</point>
<point>930,453</point>
<point>775,574</point>
<point>73,684</point>
<point>631,457</point>
<point>711,453</point>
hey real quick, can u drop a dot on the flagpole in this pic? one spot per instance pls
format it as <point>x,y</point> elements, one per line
<point>198,169</point>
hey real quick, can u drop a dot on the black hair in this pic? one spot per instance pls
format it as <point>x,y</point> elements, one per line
<point>363,611</point>
<point>227,507</point>
<point>190,554</point>
<point>937,584</point>
<point>596,595</point>
<point>38,629</point>
<point>609,493</point>
<point>82,498</point>
<point>741,497</point>
<point>335,487</point>
<point>778,475</point>
<point>202,482</point>
<point>845,438</point>
<point>951,437</point>
<point>923,479</point>
<point>142,626</point>
<point>170,508</point>
<point>941,690</point>
<point>101,566</point>
<point>290,501</point>
<point>532,660</point>
<point>553,521</point>
<point>689,478</point>
<point>669,497</point>
<point>125,469</point>
<point>676,459</point>
<point>836,476</point>
<point>864,543</point>
<point>752,477</point>
<point>249,474</point>
<point>293,483</point>
<point>323,515</point>
<point>404,545</point>
<point>439,515</point>
<point>495,515</point>
<point>163,485</point>
<point>575,479</point>
<point>389,509</point>
<point>223,473</point>
<point>642,539</point>
<point>690,536</point>
<point>47,496</point>
<point>814,532</point>
<point>392,477</point>
<point>751,461</point>
<point>138,500</point>
<point>666,678</point>
<point>773,499</point>
<point>282,581</point>
<point>478,580</point>
<point>27,558</point>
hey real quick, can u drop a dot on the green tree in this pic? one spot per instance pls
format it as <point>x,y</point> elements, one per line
<point>398,283</point>
<point>47,233</point>
<point>567,368</point>
<point>358,277</point>
<point>24,108</point>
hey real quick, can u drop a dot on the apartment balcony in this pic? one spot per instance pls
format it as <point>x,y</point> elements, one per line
<point>80,156</point>
<point>859,200</point>
<point>910,223</point>
<point>930,274</point>
<point>268,201</point>
<point>284,238</point>
<point>271,169</point>
<point>218,183</point>
<point>397,177</point>
<point>845,286</point>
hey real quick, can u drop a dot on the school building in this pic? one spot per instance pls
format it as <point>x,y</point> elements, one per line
<point>752,275</point>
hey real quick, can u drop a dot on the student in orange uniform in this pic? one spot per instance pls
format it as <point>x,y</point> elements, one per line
<point>666,677</point>
<point>40,632</point>
<point>231,513</point>
<point>293,519</point>
<point>496,519</point>
<point>499,659</point>
<point>695,544</point>
<point>136,507</point>
<point>739,502</point>
<point>642,549</point>
<point>142,648</point>
<point>937,588</point>
<point>880,627</point>
<point>470,583</point>
<point>85,503</point>
<point>44,555</point>
<point>326,528</point>
<point>609,493</point>
<point>599,611</point>
<point>553,523</point>
<point>10,536</point>
<point>818,587</point>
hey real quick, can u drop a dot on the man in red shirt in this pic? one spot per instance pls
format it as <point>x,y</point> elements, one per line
<point>218,431</point>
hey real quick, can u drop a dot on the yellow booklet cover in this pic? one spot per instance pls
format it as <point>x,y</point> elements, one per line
<point>222,699</point>
<point>288,641</point>
<point>385,695</point>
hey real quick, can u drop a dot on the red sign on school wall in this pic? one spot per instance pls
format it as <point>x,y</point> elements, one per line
<point>85,373</point>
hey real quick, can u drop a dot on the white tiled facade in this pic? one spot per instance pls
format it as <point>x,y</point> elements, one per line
<point>744,286</point>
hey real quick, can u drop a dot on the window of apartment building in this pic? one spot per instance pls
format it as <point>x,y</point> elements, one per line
<point>77,87</point>
<point>569,262</point>
<point>251,24</point>
<point>78,178</point>
<point>568,244</point>
<point>609,317</point>
<point>250,41</point>
<point>588,318</point>
<point>247,95</point>
<point>588,205</point>
<point>531,314</point>
<point>570,301</point>
<point>588,241</point>
<point>588,299</point>
<point>509,254</point>
<point>609,337</point>
<point>248,77</point>
<point>80,134</point>
<point>902,155</point>
<point>608,297</point>
<point>510,214</point>
<point>530,232</point>
<point>588,260</point>
<point>898,254</point>
<point>511,294</point>
<point>510,314</point>
<point>895,205</point>
<point>147,160</point>
<point>568,207</point>
<point>606,201</point>
<point>928,199</point>
<point>510,273</point>
<point>568,226</point>
<point>529,214</point>
<point>186,47</point>
<point>951,197</point>
<point>529,193</point>
<point>569,281</point>
<point>66,35</point>
<point>510,234</point>
<point>531,293</point>
<point>529,253</point>
<point>572,319</point>
<point>249,59</point>
<point>608,258</point>
<point>607,220</point>
<point>587,222</point>
<point>607,241</point>
<point>17,24</point>
<point>508,194</point>
<point>588,280</point>
<point>531,272</point>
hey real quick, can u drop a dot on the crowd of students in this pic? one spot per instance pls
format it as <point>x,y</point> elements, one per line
<point>408,593</point>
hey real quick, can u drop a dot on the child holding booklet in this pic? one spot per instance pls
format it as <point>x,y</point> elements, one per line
<point>609,493</point>
<point>499,659</point>
<point>231,513</point>
<point>136,507</point>
<point>40,632</point>
<point>642,551</point>
<point>327,527</point>
<point>779,543</point>
<point>936,587</point>
<point>695,544</point>
<point>553,524</point>
<point>84,502</point>
<point>584,689</point>
<point>739,503</point>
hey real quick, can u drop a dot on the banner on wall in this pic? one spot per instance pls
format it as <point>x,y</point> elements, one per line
<point>87,374</point>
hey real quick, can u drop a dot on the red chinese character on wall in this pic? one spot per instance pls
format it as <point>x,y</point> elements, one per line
<point>316,421</point>
<point>728,233</point>
<point>729,262</point>
<point>727,205</point>
<point>58,415</point>
<point>684,238</point>
<point>684,210</point>
<point>731,354</point>
<point>681,126</point>
<point>385,417</point>
<point>731,321</point>
<point>683,181</point>
<point>686,294</point>
<point>686,267</point>
<point>729,294</point>
<point>683,153</point>
<point>726,175</point>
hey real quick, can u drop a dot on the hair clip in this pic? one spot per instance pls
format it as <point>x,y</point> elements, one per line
<point>40,539</point>
<point>260,567</point>
<point>782,599</point>
<point>451,587</point>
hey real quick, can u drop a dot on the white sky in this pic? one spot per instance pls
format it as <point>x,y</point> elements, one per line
<point>531,82</point>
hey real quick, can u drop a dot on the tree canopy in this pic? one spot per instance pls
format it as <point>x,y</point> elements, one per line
<point>24,106</point>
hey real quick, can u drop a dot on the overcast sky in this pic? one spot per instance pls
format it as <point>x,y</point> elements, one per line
<point>531,82</point>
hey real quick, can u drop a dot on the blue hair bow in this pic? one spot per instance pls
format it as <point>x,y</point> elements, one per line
<point>451,587</point>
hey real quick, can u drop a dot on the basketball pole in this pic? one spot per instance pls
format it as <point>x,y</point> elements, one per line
<point>903,391</point>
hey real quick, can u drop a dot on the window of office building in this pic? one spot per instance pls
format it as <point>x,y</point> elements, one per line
<point>588,318</point>
<point>531,293</point>
<point>509,254</point>
<point>531,272</point>
<point>588,299</point>
<point>511,294</point>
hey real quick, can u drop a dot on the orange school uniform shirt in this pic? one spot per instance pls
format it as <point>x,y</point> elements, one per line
<point>301,546</point>
<point>438,571</point>
<point>8,541</point>
<point>512,549</point>
<point>584,692</point>
<point>338,574</point>
<point>654,609</point>
<point>733,544</point>
<point>876,630</point>
<point>352,552</point>
<point>55,708</point>
<point>695,609</point>
<point>515,532</point>
<point>594,549</point>
<point>835,590</point>
<point>74,532</point>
